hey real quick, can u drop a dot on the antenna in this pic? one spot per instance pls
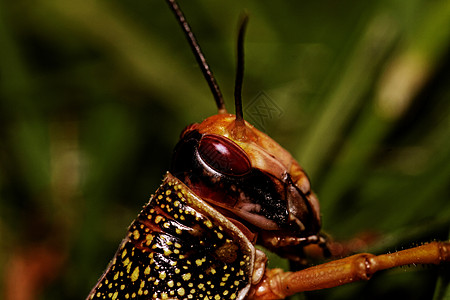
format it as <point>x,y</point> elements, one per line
<point>240,70</point>
<point>206,70</point>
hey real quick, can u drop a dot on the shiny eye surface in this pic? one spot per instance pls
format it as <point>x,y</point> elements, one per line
<point>223,155</point>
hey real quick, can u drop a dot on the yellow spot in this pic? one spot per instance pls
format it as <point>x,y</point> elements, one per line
<point>164,296</point>
<point>186,276</point>
<point>124,253</point>
<point>219,235</point>
<point>114,297</point>
<point>147,270</point>
<point>170,283</point>
<point>122,287</point>
<point>158,219</point>
<point>126,262</point>
<point>168,192</point>
<point>167,252</point>
<point>135,274</point>
<point>217,297</point>
<point>181,292</point>
<point>149,239</point>
<point>162,275</point>
<point>208,224</point>
<point>198,262</point>
<point>116,276</point>
<point>201,286</point>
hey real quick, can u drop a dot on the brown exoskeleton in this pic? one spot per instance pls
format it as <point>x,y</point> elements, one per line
<point>231,186</point>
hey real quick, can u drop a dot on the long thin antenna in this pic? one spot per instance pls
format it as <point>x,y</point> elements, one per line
<point>240,70</point>
<point>207,73</point>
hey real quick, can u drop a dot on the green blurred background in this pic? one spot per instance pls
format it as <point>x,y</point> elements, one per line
<point>94,94</point>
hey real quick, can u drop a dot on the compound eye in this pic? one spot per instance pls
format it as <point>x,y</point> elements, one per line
<point>224,155</point>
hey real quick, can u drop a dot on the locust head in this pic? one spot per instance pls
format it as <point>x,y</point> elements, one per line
<point>247,176</point>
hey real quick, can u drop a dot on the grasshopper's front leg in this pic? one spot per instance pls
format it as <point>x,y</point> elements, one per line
<point>277,284</point>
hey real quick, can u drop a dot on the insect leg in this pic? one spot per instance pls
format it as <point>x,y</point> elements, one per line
<point>277,284</point>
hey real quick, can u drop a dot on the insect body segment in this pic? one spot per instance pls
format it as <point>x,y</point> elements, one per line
<point>179,248</point>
